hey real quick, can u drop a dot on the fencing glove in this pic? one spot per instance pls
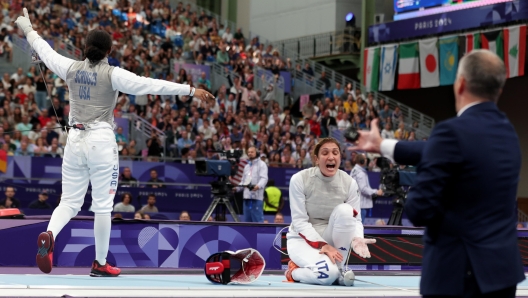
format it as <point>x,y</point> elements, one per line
<point>359,245</point>
<point>24,23</point>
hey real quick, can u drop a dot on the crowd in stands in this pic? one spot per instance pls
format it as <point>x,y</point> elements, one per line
<point>147,37</point>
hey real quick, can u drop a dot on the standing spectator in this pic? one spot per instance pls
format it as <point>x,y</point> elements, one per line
<point>154,181</point>
<point>150,207</point>
<point>40,203</point>
<point>120,138</point>
<point>256,176</point>
<point>273,201</point>
<point>359,173</point>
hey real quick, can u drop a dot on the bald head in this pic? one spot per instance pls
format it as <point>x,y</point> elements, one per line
<point>483,73</point>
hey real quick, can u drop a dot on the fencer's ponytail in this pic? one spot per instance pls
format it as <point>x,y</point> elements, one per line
<point>98,43</point>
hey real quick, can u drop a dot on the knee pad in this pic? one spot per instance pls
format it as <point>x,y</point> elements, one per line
<point>73,210</point>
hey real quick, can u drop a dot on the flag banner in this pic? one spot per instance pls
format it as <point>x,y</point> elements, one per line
<point>371,68</point>
<point>389,55</point>
<point>429,73</point>
<point>448,59</point>
<point>408,70</point>
<point>469,42</point>
<point>514,50</point>
<point>3,161</point>
<point>492,40</point>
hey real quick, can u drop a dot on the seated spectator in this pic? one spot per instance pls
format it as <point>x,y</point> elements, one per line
<point>121,139</point>
<point>380,222</point>
<point>184,215</point>
<point>154,181</point>
<point>40,203</point>
<point>138,215</point>
<point>184,141</point>
<point>150,206</point>
<point>279,218</point>
<point>125,204</point>
<point>387,132</point>
<point>24,149</point>
<point>401,133</point>
<point>10,201</point>
<point>126,179</point>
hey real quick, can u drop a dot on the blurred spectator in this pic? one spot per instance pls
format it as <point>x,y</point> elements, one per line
<point>279,218</point>
<point>150,206</point>
<point>126,204</point>
<point>273,201</point>
<point>10,201</point>
<point>40,203</point>
<point>184,215</point>
<point>126,179</point>
<point>154,181</point>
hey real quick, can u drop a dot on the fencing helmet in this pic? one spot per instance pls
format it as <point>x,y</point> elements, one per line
<point>234,267</point>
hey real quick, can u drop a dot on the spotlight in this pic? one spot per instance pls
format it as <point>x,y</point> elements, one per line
<point>350,20</point>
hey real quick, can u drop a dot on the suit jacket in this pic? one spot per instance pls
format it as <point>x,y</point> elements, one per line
<point>465,196</point>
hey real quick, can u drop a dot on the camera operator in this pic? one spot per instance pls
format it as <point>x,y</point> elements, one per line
<point>359,173</point>
<point>253,183</point>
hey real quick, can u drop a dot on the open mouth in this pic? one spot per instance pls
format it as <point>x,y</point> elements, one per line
<point>330,166</point>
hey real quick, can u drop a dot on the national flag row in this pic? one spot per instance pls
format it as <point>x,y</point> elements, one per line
<point>433,62</point>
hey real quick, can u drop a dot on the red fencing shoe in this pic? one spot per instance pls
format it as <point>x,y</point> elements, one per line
<point>45,243</point>
<point>105,270</point>
<point>291,266</point>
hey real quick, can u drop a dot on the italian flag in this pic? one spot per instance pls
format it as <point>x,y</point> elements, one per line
<point>370,68</point>
<point>492,40</point>
<point>514,50</point>
<point>409,70</point>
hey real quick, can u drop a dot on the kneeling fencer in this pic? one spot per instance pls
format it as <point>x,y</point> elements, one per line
<point>326,222</point>
<point>91,153</point>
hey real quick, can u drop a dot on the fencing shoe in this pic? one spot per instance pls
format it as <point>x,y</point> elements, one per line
<point>105,270</point>
<point>346,278</point>
<point>46,244</point>
<point>291,266</point>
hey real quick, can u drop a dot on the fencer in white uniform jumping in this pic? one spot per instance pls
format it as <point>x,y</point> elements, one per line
<point>91,151</point>
<point>326,221</point>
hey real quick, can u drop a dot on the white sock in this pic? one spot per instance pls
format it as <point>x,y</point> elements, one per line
<point>102,228</point>
<point>60,217</point>
<point>342,236</point>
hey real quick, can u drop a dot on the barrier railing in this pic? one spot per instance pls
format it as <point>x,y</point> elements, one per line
<point>324,44</point>
<point>141,131</point>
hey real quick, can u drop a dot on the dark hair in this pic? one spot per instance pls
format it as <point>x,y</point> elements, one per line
<point>324,141</point>
<point>125,195</point>
<point>98,43</point>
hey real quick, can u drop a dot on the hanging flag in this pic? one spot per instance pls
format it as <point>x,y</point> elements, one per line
<point>469,42</point>
<point>429,74</point>
<point>492,40</point>
<point>448,59</point>
<point>387,69</point>
<point>370,68</point>
<point>514,50</point>
<point>3,161</point>
<point>408,71</point>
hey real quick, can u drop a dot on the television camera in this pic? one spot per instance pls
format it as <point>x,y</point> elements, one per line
<point>221,169</point>
<point>395,183</point>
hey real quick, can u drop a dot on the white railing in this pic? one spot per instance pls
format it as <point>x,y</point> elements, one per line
<point>324,44</point>
<point>425,122</point>
<point>141,130</point>
<point>69,50</point>
<point>261,81</point>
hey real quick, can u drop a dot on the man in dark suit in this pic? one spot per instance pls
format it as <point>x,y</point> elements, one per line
<point>465,189</point>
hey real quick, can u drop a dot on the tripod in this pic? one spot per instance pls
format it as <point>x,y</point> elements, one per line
<point>220,199</point>
<point>397,213</point>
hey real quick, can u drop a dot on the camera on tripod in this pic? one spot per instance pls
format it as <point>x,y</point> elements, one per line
<point>222,169</point>
<point>395,183</point>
